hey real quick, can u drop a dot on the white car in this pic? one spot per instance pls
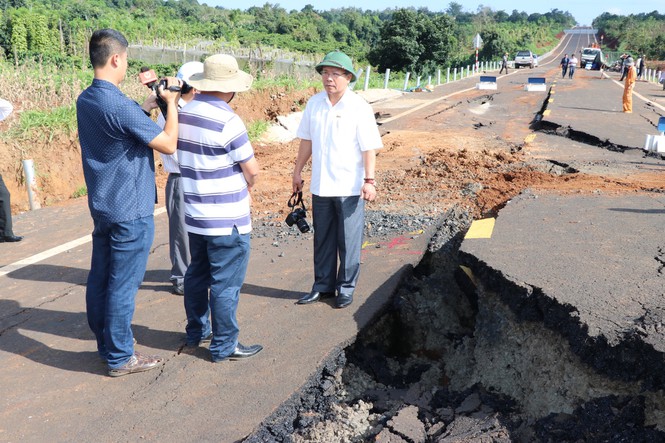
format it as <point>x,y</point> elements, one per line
<point>525,58</point>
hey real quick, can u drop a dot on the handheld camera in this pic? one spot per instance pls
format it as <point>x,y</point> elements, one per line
<point>298,215</point>
<point>149,78</point>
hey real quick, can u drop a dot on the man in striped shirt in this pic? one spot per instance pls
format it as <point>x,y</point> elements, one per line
<point>218,171</point>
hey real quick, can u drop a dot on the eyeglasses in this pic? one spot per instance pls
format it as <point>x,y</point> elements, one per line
<point>334,75</point>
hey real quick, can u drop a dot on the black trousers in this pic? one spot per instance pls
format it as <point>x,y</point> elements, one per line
<point>5,211</point>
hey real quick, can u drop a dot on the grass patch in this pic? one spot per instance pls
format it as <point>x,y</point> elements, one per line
<point>47,123</point>
<point>285,81</point>
<point>80,192</point>
<point>256,129</point>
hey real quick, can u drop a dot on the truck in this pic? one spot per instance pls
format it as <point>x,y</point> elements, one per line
<point>592,57</point>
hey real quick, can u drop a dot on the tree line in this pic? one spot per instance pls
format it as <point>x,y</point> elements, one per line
<point>642,34</point>
<point>401,39</point>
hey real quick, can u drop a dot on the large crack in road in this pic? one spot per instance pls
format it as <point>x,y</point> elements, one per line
<point>451,362</point>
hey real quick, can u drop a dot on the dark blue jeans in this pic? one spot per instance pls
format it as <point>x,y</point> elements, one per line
<point>219,264</point>
<point>119,257</point>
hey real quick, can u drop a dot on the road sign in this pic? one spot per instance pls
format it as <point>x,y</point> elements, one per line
<point>477,41</point>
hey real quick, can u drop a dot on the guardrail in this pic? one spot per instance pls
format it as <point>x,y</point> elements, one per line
<point>440,76</point>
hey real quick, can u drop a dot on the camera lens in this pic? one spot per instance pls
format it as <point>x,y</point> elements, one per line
<point>303,225</point>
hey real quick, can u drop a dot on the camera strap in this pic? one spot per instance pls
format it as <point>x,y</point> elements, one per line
<point>295,200</point>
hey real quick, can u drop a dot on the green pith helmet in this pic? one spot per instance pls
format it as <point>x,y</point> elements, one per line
<point>337,59</point>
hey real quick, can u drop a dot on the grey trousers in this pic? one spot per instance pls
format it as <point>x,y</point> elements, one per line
<point>338,231</point>
<point>5,211</point>
<point>178,237</point>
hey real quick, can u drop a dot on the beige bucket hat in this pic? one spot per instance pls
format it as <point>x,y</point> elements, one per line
<point>222,74</point>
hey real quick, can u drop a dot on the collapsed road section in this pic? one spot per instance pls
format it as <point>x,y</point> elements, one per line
<point>517,337</point>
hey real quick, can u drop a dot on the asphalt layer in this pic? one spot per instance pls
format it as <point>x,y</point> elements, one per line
<point>597,261</point>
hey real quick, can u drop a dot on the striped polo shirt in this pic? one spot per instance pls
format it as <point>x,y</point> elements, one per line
<point>212,142</point>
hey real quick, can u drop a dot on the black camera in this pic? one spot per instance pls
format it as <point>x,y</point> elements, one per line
<point>149,78</point>
<point>297,216</point>
<point>160,101</point>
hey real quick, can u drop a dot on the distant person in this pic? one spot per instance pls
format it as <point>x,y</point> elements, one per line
<point>117,139</point>
<point>6,232</point>
<point>572,64</point>
<point>504,63</point>
<point>338,131</point>
<point>629,83</point>
<point>564,65</point>
<point>640,65</point>
<point>624,61</point>
<point>175,205</point>
<point>219,170</point>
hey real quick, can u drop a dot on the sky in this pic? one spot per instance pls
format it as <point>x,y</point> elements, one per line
<point>584,11</point>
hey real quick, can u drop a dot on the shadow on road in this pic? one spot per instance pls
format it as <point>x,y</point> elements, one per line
<point>19,332</point>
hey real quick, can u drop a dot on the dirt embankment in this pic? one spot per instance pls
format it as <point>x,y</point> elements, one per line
<point>57,156</point>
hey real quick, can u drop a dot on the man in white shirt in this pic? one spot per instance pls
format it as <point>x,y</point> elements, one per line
<point>175,206</point>
<point>339,133</point>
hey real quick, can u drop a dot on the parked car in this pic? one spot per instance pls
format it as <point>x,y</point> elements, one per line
<point>524,58</point>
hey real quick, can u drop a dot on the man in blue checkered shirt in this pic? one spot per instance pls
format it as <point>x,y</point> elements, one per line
<point>117,139</point>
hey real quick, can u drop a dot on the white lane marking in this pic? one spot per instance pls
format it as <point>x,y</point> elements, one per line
<point>54,251</point>
<point>423,105</point>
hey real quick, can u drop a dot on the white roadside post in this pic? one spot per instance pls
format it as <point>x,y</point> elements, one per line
<point>455,75</point>
<point>406,81</point>
<point>387,79</point>
<point>448,75</point>
<point>366,79</point>
<point>31,184</point>
<point>438,77</point>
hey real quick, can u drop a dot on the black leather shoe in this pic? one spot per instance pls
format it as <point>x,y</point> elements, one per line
<point>314,296</point>
<point>241,352</point>
<point>10,238</point>
<point>343,300</point>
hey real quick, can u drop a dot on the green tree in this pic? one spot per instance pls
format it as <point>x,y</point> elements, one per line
<point>415,42</point>
<point>19,33</point>
<point>495,44</point>
<point>398,47</point>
